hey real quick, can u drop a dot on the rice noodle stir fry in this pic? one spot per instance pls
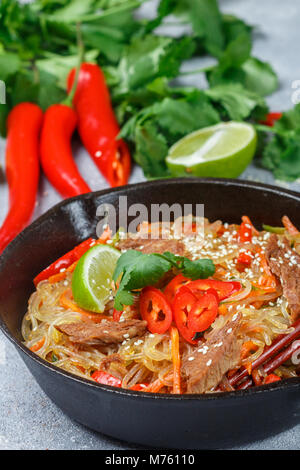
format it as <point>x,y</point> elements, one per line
<point>180,334</point>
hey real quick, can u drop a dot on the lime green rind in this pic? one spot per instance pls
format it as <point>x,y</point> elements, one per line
<point>224,166</point>
<point>91,282</point>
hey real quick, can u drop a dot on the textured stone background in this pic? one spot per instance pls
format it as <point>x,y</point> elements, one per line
<point>28,419</point>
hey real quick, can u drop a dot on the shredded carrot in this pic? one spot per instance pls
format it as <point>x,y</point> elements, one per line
<point>223,309</point>
<point>154,387</point>
<point>290,227</point>
<point>258,304</point>
<point>79,367</point>
<point>67,302</point>
<point>106,235</point>
<point>37,346</point>
<point>247,220</point>
<point>57,277</point>
<point>248,367</point>
<point>266,281</point>
<point>71,268</point>
<point>248,348</point>
<point>176,360</point>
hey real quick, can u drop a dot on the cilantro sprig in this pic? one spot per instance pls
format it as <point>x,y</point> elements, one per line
<point>136,270</point>
<point>37,51</point>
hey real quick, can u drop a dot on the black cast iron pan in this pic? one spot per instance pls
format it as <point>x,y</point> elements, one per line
<point>189,421</point>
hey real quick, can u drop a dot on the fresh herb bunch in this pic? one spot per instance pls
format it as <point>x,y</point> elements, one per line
<point>38,48</point>
<point>136,270</point>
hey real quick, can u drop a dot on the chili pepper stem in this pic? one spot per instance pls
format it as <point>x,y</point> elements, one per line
<point>69,100</point>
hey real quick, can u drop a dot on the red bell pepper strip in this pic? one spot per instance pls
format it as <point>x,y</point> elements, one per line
<point>155,310</point>
<point>56,152</point>
<point>65,261</point>
<point>204,312</point>
<point>97,125</point>
<point>106,379</point>
<point>22,168</point>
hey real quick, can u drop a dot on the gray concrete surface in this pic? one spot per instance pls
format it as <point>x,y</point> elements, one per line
<point>28,419</point>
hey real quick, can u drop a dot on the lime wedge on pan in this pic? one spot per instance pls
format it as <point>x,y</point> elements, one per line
<point>92,278</point>
<point>223,150</point>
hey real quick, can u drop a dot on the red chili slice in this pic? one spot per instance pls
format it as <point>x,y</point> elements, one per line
<point>117,314</point>
<point>183,303</point>
<point>174,285</point>
<point>203,313</point>
<point>245,233</point>
<point>106,379</point>
<point>245,257</point>
<point>271,378</point>
<point>155,310</point>
<point>224,289</point>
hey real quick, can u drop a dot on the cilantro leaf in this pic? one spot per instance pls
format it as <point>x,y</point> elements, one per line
<point>198,269</point>
<point>139,270</point>
<point>282,152</point>
<point>154,129</point>
<point>238,102</point>
<point>259,77</point>
<point>155,56</point>
<point>207,24</point>
<point>236,66</point>
<point>9,65</point>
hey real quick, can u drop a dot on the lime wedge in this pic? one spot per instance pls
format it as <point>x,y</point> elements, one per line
<point>92,278</point>
<point>223,151</point>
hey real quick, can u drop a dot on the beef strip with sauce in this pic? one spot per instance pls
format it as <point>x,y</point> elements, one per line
<point>205,367</point>
<point>284,262</point>
<point>149,245</point>
<point>103,333</point>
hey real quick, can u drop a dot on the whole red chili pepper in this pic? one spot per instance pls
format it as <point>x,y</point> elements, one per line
<point>22,168</point>
<point>56,152</point>
<point>98,126</point>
